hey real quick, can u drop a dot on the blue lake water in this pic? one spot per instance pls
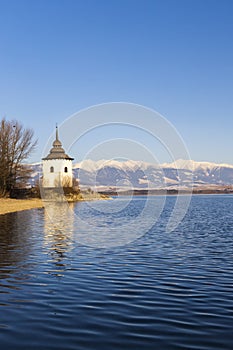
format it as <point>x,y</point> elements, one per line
<point>159,291</point>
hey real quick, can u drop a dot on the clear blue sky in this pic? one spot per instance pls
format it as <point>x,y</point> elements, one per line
<point>175,56</point>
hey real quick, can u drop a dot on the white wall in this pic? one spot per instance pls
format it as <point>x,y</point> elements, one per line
<point>58,177</point>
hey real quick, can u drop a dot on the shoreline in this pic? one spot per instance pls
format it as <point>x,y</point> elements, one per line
<point>10,205</point>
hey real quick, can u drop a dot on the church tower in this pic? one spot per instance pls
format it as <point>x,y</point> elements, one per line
<point>57,167</point>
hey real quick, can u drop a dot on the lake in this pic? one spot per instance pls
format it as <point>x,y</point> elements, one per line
<point>70,280</point>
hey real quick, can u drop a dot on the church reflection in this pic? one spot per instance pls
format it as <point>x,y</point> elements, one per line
<point>58,231</point>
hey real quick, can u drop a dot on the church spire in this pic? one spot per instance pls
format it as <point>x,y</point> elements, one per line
<point>57,152</point>
<point>56,133</point>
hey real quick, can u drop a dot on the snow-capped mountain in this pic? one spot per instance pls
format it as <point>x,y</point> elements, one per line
<point>105,174</point>
<point>193,166</point>
<point>138,174</point>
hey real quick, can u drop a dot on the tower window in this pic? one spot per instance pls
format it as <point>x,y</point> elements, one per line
<point>51,169</point>
<point>66,169</point>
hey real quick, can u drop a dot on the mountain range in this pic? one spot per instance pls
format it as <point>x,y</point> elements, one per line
<point>114,174</point>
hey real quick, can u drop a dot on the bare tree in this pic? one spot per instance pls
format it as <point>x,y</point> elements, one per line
<point>16,144</point>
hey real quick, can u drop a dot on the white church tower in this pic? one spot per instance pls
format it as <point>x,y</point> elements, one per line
<point>57,167</point>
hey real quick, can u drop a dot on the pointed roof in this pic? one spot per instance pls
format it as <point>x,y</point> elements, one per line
<point>57,152</point>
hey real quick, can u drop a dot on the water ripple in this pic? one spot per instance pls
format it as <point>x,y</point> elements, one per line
<point>162,291</point>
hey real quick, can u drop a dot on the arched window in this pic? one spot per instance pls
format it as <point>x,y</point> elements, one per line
<point>51,169</point>
<point>66,169</point>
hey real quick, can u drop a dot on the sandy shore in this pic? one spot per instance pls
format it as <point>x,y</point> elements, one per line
<point>8,205</point>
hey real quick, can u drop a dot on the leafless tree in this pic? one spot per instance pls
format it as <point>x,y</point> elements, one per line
<point>16,144</point>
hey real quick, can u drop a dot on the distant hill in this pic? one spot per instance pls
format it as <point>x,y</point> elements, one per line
<point>112,174</point>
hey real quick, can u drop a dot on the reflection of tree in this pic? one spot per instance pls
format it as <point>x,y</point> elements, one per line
<point>58,229</point>
<point>15,240</point>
